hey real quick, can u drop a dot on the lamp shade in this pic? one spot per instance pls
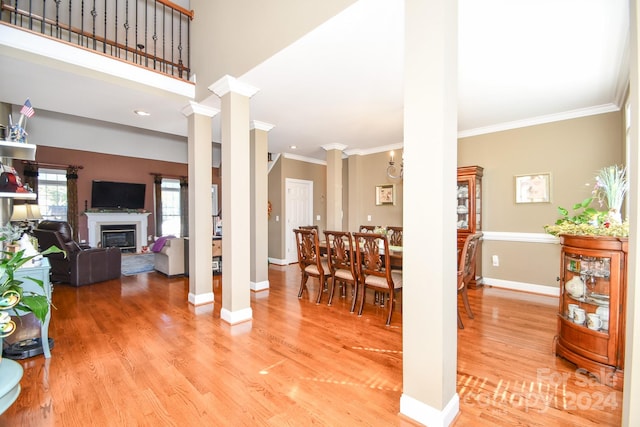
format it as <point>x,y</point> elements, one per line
<point>26,212</point>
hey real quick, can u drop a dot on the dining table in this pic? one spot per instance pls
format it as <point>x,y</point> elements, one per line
<point>395,254</point>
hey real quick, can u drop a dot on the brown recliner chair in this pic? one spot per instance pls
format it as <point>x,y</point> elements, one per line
<point>81,266</point>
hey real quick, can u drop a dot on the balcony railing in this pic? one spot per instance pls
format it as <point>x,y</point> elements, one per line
<point>150,33</point>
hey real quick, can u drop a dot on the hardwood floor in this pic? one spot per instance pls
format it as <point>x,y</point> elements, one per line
<point>132,352</point>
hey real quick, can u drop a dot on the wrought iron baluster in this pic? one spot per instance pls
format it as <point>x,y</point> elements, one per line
<point>69,31</point>
<point>57,21</point>
<point>126,28</point>
<point>180,66</point>
<point>115,30</point>
<point>94,15</point>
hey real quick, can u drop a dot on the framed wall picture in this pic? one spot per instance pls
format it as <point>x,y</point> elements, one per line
<point>534,188</point>
<point>385,194</point>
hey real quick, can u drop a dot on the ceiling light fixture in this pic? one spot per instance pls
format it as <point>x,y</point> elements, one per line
<point>293,147</point>
<point>393,171</point>
<point>141,113</point>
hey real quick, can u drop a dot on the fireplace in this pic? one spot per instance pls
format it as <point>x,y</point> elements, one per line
<point>121,236</point>
<point>96,220</point>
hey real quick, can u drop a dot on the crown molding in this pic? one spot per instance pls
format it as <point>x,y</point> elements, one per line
<point>230,84</point>
<point>567,115</point>
<point>367,151</point>
<point>196,108</point>
<point>304,159</point>
<point>339,147</point>
<point>255,124</point>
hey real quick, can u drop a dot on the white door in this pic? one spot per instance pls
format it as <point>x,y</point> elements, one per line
<point>299,211</point>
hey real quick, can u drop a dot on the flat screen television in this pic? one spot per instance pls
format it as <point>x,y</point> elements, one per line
<point>117,195</point>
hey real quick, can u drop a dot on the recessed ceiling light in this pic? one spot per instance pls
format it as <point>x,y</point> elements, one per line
<point>141,113</point>
<point>293,147</point>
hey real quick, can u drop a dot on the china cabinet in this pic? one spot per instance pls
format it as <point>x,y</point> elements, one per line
<point>591,314</point>
<point>469,209</point>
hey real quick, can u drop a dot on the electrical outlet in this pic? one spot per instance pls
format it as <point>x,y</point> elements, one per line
<point>369,218</point>
<point>496,261</point>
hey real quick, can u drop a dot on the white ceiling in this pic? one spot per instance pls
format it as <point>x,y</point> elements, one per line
<point>520,63</point>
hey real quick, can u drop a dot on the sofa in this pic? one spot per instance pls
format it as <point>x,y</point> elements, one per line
<point>169,260</point>
<point>79,265</point>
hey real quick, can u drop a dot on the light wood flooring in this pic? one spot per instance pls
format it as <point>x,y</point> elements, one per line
<point>133,352</point>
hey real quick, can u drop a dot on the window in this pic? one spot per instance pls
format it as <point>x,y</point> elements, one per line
<point>170,207</point>
<point>52,193</point>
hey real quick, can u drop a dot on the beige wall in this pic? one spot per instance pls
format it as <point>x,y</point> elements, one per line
<point>295,169</point>
<point>572,151</point>
<point>372,171</point>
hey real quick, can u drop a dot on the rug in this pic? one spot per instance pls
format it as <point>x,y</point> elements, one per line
<point>133,264</point>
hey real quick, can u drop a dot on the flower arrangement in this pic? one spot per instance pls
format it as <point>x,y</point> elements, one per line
<point>380,230</point>
<point>610,189</point>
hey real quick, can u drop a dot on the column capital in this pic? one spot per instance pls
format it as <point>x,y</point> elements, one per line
<point>339,147</point>
<point>230,84</point>
<point>195,108</point>
<point>255,124</point>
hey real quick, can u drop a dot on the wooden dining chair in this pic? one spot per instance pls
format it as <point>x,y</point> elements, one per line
<point>395,235</point>
<point>342,265</point>
<point>367,228</point>
<point>466,271</point>
<point>309,227</point>
<point>374,268</point>
<point>312,264</point>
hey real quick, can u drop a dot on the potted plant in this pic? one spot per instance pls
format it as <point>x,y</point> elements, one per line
<point>585,220</point>
<point>10,287</point>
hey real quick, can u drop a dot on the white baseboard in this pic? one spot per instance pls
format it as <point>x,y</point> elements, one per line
<point>427,415</point>
<point>200,299</point>
<point>521,286</point>
<point>233,317</point>
<point>259,286</point>
<point>278,261</point>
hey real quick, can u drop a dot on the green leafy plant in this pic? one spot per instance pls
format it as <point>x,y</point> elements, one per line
<point>610,189</point>
<point>38,304</point>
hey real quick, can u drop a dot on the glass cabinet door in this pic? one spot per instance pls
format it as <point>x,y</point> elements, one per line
<point>587,290</point>
<point>463,207</point>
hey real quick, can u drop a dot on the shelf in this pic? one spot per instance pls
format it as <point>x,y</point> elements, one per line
<point>19,196</point>
<point>17,150</point>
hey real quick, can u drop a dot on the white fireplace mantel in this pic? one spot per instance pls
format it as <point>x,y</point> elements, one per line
<point>139,219</point>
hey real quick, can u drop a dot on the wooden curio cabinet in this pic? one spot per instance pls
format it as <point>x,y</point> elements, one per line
<point>591,315</point>
<point>469,209</point>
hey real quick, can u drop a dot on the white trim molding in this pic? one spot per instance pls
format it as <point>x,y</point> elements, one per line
<point>334,146</point>
<point>228,84</point>
<point>427,415</point>
<point>257,125</point>
<point>567,115</point>
<point>304,159</point>
<point>259,286</point>
<point>506,236</point>
<point>521,286</point>
<point>197,108</point>
<point>234,317</point>
<point>278,261</point>
<point>199,299</point>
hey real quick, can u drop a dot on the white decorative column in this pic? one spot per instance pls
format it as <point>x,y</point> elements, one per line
<point>334,186</point>
<point>259,197</point>
<point>200,223</point>
<point>236,201</point>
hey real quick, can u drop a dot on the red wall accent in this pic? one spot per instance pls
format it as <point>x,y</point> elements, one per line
<point>109,167</point>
